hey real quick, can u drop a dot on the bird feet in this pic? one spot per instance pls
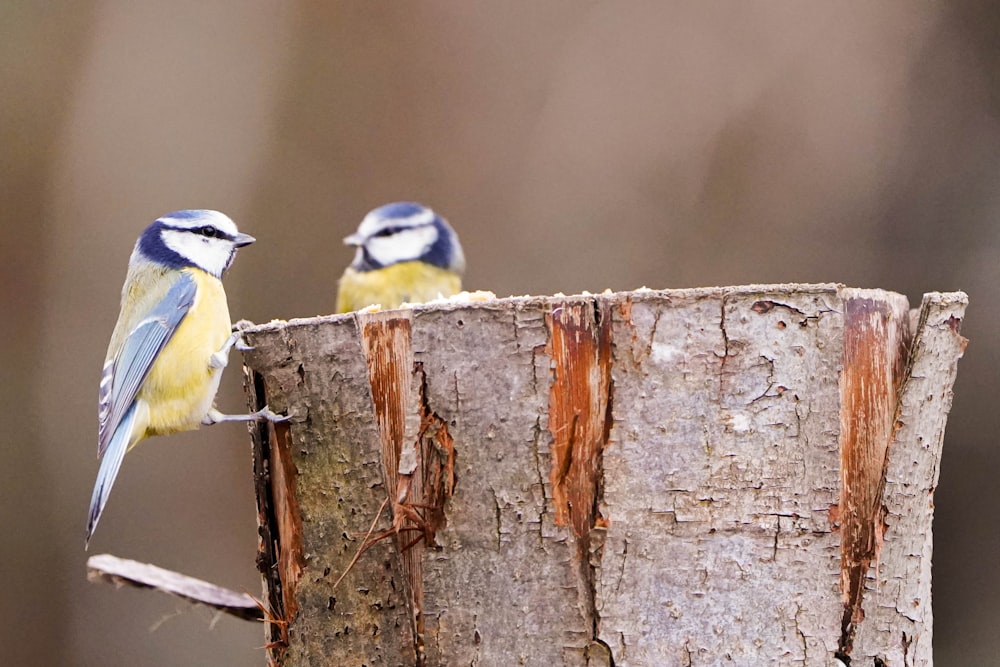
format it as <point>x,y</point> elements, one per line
<point>264,414</point>
<point>238,329</point>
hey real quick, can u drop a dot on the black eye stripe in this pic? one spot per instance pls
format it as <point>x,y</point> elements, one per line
<point>389,231</point>
<point>208,231</point>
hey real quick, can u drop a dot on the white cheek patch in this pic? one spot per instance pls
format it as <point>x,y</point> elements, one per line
<point>403,246</point>
<point>208,254</point>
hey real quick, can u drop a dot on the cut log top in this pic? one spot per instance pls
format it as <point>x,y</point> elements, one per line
<point>506,303</point>
<point>639,478</point>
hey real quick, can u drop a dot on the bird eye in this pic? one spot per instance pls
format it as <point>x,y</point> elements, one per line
<point>209,231</point>
<point>387,231</point>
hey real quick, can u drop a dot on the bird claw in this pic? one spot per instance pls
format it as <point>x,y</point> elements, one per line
<point>266,414</point>
<point>238,329</point>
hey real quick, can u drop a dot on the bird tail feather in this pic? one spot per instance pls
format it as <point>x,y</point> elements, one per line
<point>111,463</point>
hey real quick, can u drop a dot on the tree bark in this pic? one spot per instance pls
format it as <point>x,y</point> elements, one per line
<point>738,475</point>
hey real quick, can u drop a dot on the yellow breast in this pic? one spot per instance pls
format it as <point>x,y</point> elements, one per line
<point>413,282</point>
<point>181,385</point>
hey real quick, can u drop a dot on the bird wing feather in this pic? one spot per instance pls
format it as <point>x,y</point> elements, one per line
<point>110,464</point>
<point>125,372</point>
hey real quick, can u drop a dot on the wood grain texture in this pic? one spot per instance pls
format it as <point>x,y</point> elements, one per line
<point>719,478</point>
<point>645,478</point>
<point>504,570</point>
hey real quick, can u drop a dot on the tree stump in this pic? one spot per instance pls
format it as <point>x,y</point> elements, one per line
<point>738,475</point>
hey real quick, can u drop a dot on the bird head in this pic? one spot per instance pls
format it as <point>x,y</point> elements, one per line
<point>204,239</point>
<point>405,232</point>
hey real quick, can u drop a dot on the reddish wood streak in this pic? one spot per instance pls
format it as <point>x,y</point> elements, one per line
<point>876,345</point>
<point>437,460</point>
<point>385,337</point>
<point>579,410</point>
<point>269,528</point>
<point>387,351</point>
<point>286,509</point>
<point>419,468</point>
<point>955,324</point>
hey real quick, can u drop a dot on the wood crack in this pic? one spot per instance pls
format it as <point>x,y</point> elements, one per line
<point>279,554</point>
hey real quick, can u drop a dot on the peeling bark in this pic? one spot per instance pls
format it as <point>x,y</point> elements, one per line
<point>876,348</point>
<point>737,475</point>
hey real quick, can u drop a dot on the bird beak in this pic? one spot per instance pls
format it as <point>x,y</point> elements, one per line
<point>242,240</point>
<point>354,240</point>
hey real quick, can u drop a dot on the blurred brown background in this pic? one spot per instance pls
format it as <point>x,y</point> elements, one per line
<point>574,145</point>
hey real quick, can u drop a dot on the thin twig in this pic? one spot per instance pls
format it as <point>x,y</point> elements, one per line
<point>364,544</point>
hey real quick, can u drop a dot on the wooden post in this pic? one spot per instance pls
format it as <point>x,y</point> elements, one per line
<point>738,475</point>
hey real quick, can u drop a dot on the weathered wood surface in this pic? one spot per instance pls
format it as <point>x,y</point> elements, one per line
<point>734,475</point>
<point>125,572</point>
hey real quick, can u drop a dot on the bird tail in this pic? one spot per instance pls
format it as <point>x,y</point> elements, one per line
<point>111,463</point>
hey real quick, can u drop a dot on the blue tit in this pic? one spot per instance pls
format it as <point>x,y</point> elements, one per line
<point>405,252</point>
<point>171,342</point>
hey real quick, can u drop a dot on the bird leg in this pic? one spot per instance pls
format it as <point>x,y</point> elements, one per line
<point>264,414</point>
<point>220,359</point>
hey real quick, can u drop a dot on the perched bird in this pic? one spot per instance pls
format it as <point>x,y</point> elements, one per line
<point>406,252</point>
<point>171,342</point>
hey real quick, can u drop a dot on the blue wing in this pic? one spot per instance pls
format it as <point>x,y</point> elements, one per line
<point>110,465</point>
<point>126,371</point>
